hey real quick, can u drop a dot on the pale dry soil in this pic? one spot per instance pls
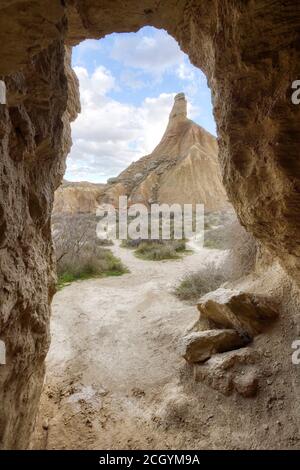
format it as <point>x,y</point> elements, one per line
<point>115,378</point>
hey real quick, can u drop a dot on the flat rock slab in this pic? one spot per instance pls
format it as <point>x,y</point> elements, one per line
<point>230,371</point>
<point>247,313</point>
<point>200,346</point>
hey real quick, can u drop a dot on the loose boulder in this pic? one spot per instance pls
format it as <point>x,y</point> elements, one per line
<point>200,346</point>
<point>247,313</point>
<point>232,371</point>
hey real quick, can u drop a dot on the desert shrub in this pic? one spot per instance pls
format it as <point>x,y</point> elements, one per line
<point>157,250</point>
<point>130,243</point>
<point>216,238</point>
<point>79,253</point>
<point>239,261</point>
<point>196,284</point>
<point>241,257</point>
<point>218,229</point>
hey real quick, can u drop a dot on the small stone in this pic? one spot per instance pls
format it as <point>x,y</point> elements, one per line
<point>247,384</point>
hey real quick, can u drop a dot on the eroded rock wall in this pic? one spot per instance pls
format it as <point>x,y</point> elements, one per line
<point>35,138</point>
<point>250,53</point>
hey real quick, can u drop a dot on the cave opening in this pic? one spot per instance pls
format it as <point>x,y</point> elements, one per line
<point>123,302</point>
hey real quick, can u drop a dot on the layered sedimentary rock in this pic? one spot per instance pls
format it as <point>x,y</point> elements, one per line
<point>250,54</point>
<point>182,169</point>
<point>71,198</point>
<point>247,313</point>
<point>201,345</point>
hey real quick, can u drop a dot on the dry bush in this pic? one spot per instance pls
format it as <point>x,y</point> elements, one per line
<point>160,250</point>
<point>242,254</point>
<point>196,284</point>
<point>79,252</point>
<point>219,227</point>
<point>239,262</point>
<point>157,249</point>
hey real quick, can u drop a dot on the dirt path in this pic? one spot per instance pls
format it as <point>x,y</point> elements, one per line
<point>113,368</point>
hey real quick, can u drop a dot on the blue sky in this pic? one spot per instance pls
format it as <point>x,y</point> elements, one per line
<point>127,86</point>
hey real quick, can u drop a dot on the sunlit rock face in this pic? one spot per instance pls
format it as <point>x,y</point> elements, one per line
<point>182,169</point>
<point>250,54</point>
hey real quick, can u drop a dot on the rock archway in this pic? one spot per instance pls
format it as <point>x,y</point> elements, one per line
<point>250,53</point>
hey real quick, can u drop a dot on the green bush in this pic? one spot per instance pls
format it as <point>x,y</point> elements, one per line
<point>156,251</point>
<point>79,253</point>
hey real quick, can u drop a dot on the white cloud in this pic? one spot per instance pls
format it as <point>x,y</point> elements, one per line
<point>109,135</point>
<point>94,87</point>
<point>89,45</point>
<point>133,79</point>
<point>185,71</point>
<point>154,54</point>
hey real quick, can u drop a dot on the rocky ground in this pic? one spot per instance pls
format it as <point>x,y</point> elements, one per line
<point>116,379</point>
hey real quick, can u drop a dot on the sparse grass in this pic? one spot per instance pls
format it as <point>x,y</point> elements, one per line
<point>157,249</point>
<point>213,244</point>
<point>90,264</point>
<point>216,238</point>
<point>218,230</point>
<point>66,279</point>
<point>133,244</point>
<point>79,253</point>
<point>196,284</point>
<point>160,250</point>
<point>239,262</point>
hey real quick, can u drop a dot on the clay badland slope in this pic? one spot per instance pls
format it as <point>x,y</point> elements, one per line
<point>182,169</point>
<point>73,197</point>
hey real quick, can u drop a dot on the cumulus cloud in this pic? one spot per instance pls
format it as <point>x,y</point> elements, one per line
<point>86,47</point>
<point>133,79</point>
<point>94,87</point>
<point>153,53</point>
<point>185,71</point>
<point>108,135</point>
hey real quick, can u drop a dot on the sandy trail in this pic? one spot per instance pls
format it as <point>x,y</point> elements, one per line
<point>113,362</point>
